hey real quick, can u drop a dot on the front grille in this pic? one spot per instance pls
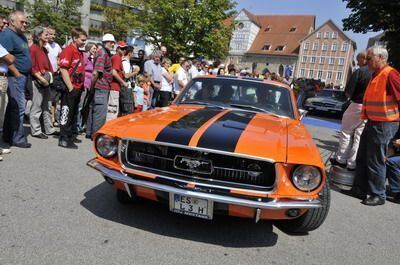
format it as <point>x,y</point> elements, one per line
<point>321,104</point>
<point>219,169</point>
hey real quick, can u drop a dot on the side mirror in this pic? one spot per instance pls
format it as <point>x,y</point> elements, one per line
<point>302,113</point>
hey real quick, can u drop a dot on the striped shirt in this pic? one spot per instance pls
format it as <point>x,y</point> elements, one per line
<point>104,67</point>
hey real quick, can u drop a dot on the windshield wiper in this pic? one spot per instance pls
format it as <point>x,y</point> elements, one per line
<point>249,107</point>
<point>208,105</point>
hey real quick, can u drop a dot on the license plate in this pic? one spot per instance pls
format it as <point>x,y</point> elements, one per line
<point>192,206</point>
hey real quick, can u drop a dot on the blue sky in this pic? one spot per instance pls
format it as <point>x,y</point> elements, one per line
<point>322,9</point>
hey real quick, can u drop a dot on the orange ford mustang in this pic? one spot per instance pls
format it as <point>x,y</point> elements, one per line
<point>225,146</point>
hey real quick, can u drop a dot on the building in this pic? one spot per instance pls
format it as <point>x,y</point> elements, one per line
<point>376,41</point>
<point>326,54</point>
<point>268,42</point>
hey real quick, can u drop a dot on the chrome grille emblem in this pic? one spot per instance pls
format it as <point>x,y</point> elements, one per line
<point>194,165</point>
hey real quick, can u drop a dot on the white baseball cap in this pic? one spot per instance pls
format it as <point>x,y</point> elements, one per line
<point>108,37</point>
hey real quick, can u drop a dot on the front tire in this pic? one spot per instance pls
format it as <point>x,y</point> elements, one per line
<point>312,219</point>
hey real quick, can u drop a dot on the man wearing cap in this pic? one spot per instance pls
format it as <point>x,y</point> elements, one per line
<point>118,81</point>
<point>101,82</point>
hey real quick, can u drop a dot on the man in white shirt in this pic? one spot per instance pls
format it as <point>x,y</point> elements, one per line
<point>54,51</point>
<point>195,69</point>
<point>181,77</point>
<point>5,60</point>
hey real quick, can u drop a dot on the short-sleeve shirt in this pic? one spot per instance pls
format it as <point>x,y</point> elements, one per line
<point>40,62</point>
<point>181,75</point>
<point>54,51</point>
<point>116,61</point>
<point>17,45</point>
<point>3,65</point>
<point>154,70</point>
<point>104,67</point>
<point>68,59</point>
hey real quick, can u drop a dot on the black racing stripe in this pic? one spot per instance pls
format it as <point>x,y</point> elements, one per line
<point>225,132</point>
<point>182,130</point>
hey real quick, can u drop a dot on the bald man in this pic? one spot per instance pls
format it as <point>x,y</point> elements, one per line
<point>352,124</point>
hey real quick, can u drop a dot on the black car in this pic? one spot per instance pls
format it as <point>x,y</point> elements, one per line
<point>328,100</point>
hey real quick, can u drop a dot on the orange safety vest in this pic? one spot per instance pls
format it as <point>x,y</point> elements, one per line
<point>377,104</point>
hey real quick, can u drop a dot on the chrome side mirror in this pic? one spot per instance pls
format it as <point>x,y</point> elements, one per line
<point>302,113</point>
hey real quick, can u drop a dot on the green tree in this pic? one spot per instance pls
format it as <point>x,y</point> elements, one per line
<point>63,15</point>
<point>119,21</point>
<point>186,27</point>
<point>377,15</point>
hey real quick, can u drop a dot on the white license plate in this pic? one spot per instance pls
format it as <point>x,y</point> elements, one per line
<point>192,206</point>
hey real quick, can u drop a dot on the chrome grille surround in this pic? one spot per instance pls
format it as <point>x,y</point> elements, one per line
<point>161,164</point>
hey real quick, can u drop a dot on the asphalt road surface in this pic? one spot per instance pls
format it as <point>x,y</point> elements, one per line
<point>55,210</point>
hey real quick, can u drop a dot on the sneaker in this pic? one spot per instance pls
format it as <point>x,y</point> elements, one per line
<point>4,151</point>
<point>1,158</point>
<point>396,197</point>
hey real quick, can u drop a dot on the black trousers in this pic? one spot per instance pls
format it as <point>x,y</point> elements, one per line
<point>68,115</point>
<point>164,98</point>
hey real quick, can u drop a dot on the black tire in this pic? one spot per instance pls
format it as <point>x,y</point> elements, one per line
<point>312,219</point>
<point>123,197</point>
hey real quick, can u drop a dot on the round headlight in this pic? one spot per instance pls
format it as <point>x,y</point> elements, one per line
<point>107,146</point>
<point>306,178</point>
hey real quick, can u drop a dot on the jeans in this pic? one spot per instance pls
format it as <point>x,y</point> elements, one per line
<point>69,107</point>
<point>371,167</point>
<point>3,98</point>
<point>13,131</point>
<point>393,173</point>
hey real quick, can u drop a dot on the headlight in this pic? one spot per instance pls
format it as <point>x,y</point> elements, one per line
<point>106,146</point>
<point>306,178</point>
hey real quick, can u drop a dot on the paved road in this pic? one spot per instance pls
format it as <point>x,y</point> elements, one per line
<point>55,210</point>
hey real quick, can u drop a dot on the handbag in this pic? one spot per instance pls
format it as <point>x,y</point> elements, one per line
<point>58,82</point>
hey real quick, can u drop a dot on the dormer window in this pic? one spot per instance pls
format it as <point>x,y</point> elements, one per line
<point>292,29</point>
<point>267,29</point>
<point>280,48</point>
<point>266,47</point>
<point>240,25</point>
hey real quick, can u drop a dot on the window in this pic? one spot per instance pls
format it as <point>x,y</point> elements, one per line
<point>331,60</point>
<point>325,46</point>
<point>311,74</point>
<point>292,29</point>
<point>341,61</point>
<point>326,35</point>
<point>345,46</point>
<point>319,34</point>
<point>321,60</point>
<point>266,47</point>
<point>313,59</point>
<point>302,72</point>
<point>334,46</point>
<point>315,46</point>
<point>305,45</point>
<point>304,59</point>
<point>329,76</point>
<point>280,48</point>
<point>339,76</point>
<point>240,25</point>
<point>319,74</point>
<point>334,35</point>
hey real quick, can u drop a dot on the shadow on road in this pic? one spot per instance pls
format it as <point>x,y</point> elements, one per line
<point>155,218</point>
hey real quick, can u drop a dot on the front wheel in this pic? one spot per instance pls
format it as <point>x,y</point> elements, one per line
<point>313,218</point>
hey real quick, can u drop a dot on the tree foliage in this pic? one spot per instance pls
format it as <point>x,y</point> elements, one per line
<point>62,15</point>
<point>186,27</point>
<point>119,21</point>
<point>377,15</point>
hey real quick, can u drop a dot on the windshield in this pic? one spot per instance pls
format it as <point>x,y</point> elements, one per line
<point>332,94</point>
<point>236,93</point>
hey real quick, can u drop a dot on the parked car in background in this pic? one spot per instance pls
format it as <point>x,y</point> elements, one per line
<point>230,146</point>
<point>328,100</point>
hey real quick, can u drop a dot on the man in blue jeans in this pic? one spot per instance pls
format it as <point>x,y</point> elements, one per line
<point>393,173</point>
<point>14,41</point>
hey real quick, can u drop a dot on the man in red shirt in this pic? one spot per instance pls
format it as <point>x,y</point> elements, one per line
<point>118,81</point>
<point>72,70</point>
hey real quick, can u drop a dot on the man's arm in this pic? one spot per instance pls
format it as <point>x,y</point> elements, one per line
<point>66,78</point>
<point>9,59</point>
<point>351,85</point>
<point>118,78</point>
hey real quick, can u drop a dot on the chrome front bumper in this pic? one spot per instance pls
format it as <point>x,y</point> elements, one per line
<point>271,205</point>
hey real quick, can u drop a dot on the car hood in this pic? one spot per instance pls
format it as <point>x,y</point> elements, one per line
<point>240,132</point>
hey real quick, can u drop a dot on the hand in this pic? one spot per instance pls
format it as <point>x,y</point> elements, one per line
<point>125,84</point>
<point>70,89</point>
<point>396,143</point>
<point>44,82</point>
